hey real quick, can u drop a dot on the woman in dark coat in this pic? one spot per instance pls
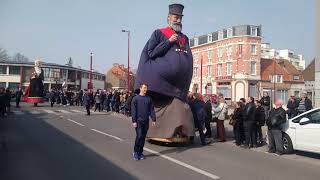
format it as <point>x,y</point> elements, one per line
<point>238,126</point>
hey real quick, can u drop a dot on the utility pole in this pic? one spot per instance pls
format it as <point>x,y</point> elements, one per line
<point>201,75</point>
<point>274,80</point>
<point>90,80</point>
<point>128,78</point>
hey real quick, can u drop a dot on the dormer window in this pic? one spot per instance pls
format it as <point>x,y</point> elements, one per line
<point>209,38</point>
<point>220,35</point>
<point>229,32</point>
<point>254,31</point>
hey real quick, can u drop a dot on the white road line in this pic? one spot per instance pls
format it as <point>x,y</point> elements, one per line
<point>75,122</point>
<point>18,112</point>
<point>76,111</point>
<point>200,171</point>
<point>109,135</point>
<point>34,112</point>
<point>64,111</point>
<point>49,111</point>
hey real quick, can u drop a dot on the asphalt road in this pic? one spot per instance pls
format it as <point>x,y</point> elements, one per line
<point>62,143</point>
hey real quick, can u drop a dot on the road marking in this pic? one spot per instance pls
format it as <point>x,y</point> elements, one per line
<point>109,135</point>
<point>48,111</point>
<point>18,112</point>
<point>75,122</point>
<point>64,111</point>
<point>76,111</point>
<point>34,112</point>
<point>200,171</point>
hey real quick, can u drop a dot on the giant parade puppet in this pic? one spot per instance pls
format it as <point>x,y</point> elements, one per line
<point>34,92</point>
<point>166,66</point>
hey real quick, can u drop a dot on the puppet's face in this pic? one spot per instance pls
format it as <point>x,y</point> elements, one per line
<point>37,63</point>
<point>175,22</point>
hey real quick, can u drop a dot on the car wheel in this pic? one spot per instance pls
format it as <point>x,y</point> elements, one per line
<point>287,144</point>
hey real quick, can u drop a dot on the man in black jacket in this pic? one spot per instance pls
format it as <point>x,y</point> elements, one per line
<point>199,115</point>
<point>250,124</point>
<point>2,102</point>
<point>208,118</point>
<point>276,119</point>
<point>265,102</point>
<point>18,95</point>
<point>260,118</point>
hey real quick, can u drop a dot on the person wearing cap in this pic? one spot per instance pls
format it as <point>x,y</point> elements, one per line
<point>166,66</point>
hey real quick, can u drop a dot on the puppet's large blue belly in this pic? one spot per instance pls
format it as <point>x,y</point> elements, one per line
<point>172,67</point>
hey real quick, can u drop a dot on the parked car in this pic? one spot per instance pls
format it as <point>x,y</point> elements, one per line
<point>302,132</point>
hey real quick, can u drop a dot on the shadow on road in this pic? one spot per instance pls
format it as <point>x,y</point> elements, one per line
<point>35,149</point>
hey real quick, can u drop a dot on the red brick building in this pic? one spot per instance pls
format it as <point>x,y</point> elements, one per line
<point>117,77</point>
<point>229,60</point>
<point>280,79</point>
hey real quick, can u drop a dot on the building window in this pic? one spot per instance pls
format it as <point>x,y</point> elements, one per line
<point>209,70</point>
<point>220,52</point>
<point>219,71</point>
<point>229,50</point>
<point>296,93</point>
<point>55,73</point>
<point>276,78</point>
<point>46,72</point>
<point>254,31</point>
<point>225,91</point>
<point>3,69</point>
<point>279,79</point>
<point>13,86</point>
<point>229,32</point>
<point>2,84</point>
<point>229,68</point>
<point>14,70</point>
<point>253,49</point>
<point>220,35</point>
<point>195,72</point>
<point>296,78</point>
<point>209,38</point>
<point>283,95</point>
<point>253,68</point>
<point>195,41</point>
<point>253,91</point>
<point>209,55</point>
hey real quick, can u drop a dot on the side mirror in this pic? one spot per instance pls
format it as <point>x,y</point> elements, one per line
<point>304,121</point>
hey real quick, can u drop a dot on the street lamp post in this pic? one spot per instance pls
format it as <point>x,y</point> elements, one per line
<point>90,81</point>
<point>128,73</point>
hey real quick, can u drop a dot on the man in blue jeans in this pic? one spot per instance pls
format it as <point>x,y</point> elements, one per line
<point>142,108</point>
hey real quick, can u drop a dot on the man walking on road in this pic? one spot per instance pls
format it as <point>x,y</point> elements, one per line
<point>142,108</point>
<point>87,101</point>
<point>18,93</point>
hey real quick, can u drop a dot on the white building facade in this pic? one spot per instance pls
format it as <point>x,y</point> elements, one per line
<point>268,52</point>
<point>17,74</point>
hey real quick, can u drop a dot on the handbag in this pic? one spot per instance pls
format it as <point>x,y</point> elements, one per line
<point>232,122</point>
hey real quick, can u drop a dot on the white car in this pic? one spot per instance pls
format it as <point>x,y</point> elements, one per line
<point>302,132</point>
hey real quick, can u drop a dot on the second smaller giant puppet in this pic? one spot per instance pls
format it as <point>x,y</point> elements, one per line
<point>34,93</point>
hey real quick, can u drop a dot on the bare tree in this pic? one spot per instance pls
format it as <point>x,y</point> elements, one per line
<point>19,58</point>
<point>3,55</point>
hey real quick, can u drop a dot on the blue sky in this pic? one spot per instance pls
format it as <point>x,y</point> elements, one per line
<point>54,30</point>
